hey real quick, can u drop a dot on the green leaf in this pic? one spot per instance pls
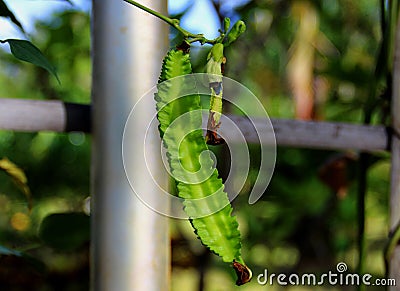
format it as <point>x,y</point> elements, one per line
<point>65,231</point>
<point>9,252</point>
<point>37,264</point>
<point>69,1</point>
<point>5,12</point>
<point>25,51</point>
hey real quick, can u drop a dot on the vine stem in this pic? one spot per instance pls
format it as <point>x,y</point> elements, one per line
<point>190,37</point>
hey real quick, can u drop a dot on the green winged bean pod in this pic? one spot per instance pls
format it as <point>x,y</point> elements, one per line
<point>215,61</point>
<point>191,164</point>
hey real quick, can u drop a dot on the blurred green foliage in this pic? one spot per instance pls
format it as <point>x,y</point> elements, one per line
<point>56,165</point>
<point>306,221</point>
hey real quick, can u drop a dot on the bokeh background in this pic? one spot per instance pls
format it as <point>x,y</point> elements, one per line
<point>310,60</point>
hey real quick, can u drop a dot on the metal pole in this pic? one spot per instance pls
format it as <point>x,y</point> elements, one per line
<point>130,242</point>
<point>394,268</point>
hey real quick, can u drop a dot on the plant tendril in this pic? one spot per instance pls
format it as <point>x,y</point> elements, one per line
<point>188,36</point>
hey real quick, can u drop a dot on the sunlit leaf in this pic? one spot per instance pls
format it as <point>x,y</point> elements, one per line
<point>5,12</point>
<point>65,231</point>
<point>300,67</point>
<point>25,51</point>
<point>18,176</point>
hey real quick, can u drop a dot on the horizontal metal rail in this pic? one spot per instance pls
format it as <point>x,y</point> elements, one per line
<point>41,115</point>
<point>38,115</point>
